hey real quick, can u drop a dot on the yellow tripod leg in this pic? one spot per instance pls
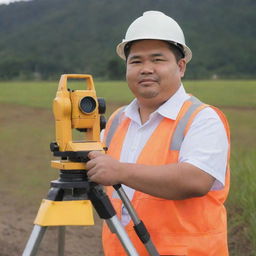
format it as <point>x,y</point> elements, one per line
<point>65,213</point>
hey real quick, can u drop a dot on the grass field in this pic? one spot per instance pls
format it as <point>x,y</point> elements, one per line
<point>27,128</point>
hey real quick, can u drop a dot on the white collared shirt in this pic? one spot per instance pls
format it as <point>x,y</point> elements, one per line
<point>205,144</point>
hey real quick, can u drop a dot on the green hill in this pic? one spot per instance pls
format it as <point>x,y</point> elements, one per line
<point>45,38</point>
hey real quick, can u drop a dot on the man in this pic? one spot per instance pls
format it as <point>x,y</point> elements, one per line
<point>169,150</point>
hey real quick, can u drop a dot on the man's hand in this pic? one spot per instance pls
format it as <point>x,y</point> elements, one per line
<point>103,169</point>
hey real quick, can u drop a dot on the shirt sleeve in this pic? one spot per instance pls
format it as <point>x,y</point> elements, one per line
<point>206,146</point>
<point>102,133</point>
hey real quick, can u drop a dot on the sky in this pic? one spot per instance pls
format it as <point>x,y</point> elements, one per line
<point>10,1</point>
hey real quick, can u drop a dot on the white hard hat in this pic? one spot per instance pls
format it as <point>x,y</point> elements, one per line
<point>155,25</point>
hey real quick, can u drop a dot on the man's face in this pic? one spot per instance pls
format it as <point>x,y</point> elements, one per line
<point>152,73</point>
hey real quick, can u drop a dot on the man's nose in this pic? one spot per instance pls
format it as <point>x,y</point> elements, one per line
<point>147,68</point>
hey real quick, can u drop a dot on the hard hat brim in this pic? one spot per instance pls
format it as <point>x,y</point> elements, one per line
<point>120,49</point>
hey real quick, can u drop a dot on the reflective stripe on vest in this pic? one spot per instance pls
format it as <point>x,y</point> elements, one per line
<point>179,132</point>
<point>113,126</point>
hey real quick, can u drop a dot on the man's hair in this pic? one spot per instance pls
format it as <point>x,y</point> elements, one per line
<point>176,49</point>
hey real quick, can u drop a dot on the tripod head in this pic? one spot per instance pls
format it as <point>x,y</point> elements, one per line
<point>81,110</point>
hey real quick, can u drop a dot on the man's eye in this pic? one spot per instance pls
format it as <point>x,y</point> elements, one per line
<point>158,60</point>
<point>135,62</point>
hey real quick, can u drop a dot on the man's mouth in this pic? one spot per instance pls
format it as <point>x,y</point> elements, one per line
<point>147,81</point>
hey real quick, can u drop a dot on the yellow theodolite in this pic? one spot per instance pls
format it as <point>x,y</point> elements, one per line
<point>81,110</point>
<point>73,109</point>
<point>77,109</point>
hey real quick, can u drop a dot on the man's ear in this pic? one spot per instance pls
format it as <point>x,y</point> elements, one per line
<point>182,67</point>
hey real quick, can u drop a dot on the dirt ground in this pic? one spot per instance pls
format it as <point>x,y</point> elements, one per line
<point>16,224</point>
<point>23,181</point>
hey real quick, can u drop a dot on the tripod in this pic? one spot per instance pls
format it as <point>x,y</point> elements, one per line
<point>72,193</point>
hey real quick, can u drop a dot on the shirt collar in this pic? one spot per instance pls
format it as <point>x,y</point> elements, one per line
<point>170,109</point>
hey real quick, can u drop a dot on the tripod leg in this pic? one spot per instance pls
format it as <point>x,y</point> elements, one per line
<point>34,240</point>
<point>117,228</point>
<point>107,212</point>
<point>139,226</point>
<point>61,244</point>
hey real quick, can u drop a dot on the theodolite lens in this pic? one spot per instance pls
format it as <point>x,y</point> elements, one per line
<point>87,104</point>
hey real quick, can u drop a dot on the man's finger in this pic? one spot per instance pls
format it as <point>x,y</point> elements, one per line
<point>94,154</point>
<point>90,173</point>
<point>90,164</point>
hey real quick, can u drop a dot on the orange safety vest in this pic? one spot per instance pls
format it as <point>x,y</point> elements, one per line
<point>195,226</point>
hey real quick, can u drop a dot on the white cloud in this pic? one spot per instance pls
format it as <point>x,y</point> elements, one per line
<point>10,1</point>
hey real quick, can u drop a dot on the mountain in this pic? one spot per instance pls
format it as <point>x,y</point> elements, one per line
<point>45,38</point>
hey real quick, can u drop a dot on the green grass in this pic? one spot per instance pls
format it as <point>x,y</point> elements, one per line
<point>221,93</point>
<point>27,128</point>
<point>25,135</point>
<point>41,94</point>
<point>236,93</point>
<point>242,204</point>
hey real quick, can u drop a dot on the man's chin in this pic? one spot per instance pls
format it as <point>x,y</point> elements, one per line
<point>148,95</point>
